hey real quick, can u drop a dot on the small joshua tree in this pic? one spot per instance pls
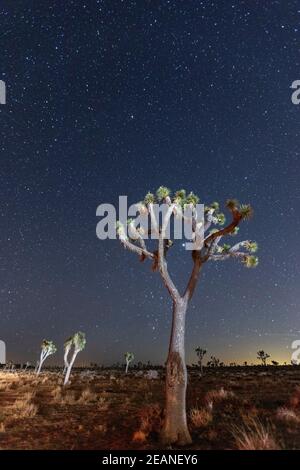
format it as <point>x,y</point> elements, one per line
<point>275,363</point>
<point>263,357</point>
<point>206,248</point>
<point>78,342</point>
<point>200,353</point>
<point>128,358</point>
<point>48,348</point>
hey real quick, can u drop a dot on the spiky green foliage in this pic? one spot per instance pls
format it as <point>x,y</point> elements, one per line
<point>149,199</point>
<point>246,211</point>
<point>225,248</point>
<point>180,194</point>
<point>192,199</point>
<point>221,218</point>
<point>251,246</point>
<point>215,205</point>
<point>250,261</point>
<point>79,341</point>
<point>48,346</point>
<point>129,356</point>
<point>232,204</point>
<point>162,193</point>
<point>180,197</point>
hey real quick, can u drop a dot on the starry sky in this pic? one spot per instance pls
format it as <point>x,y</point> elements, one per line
<point>108,97</point>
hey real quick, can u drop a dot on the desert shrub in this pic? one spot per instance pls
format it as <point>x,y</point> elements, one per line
<point>24,407</point>
<point>87,396</point>
<point>102,404</point>
<point>150,421</point>
<point>56,394</point>
<point>215,396</point>
<point>200,417</point>
<point>69,398</point>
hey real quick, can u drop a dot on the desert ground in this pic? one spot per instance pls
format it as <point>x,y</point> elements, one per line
<point>228,408</point>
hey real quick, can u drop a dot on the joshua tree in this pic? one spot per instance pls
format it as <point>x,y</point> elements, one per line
<point>275,363</point>
<point>206,248</point>
<point>128,358</point>
<point>27,365</point>
<point>200,353</point>
<point>263,357</point>
<point>48,348</point>
<point>67,346</point>
<point>78,342</point>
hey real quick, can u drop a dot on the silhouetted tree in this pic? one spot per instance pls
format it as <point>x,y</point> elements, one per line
<point>275,363</point>
<point>200,353</point>
<point>263,357</point>
<point>206,248</point>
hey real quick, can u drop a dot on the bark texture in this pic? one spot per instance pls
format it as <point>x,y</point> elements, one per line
<point>175,428</point>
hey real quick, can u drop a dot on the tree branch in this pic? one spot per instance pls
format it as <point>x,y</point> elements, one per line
<point>194,276</point>
<point>162,264</point>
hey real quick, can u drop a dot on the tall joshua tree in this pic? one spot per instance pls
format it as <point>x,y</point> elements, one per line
<point>200,353</point>
<point>78,342</point>
<point>263,356</point>
<point>48,348</point>
<point>128,358</point>
<point>175,428</point>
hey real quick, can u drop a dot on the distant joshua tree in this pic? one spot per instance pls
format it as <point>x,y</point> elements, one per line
<point>48,348</point>
<point>206,247</point>
<point>128,358</point>
<point>78,342</point>
<point>214,362</point>
<point>27,365</point>
<point>275,363</point>
<point>263,357</point>
<point>200,353</point>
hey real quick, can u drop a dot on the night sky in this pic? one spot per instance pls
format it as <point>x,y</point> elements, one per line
<point>106,98</point>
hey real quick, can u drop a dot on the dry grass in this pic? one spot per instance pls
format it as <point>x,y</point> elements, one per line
<point>254,436</point>
<point>287,414</point>
<point>151,421</point>
<point>87,396</point>
<point>217,396</point>
<point>24,407</point>
<point>201,417</point>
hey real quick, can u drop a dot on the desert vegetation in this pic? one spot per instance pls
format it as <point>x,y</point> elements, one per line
<point>241,407</point>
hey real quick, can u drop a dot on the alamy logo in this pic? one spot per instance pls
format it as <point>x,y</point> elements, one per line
<point>2,92</point>
<point>2,352</point>
<point>142,221</point>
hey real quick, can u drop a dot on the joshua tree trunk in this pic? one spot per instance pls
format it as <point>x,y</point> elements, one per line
<point>67,376</point>
<point>175,428</point>
<point>39,367</point>
<point>126,369</point>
